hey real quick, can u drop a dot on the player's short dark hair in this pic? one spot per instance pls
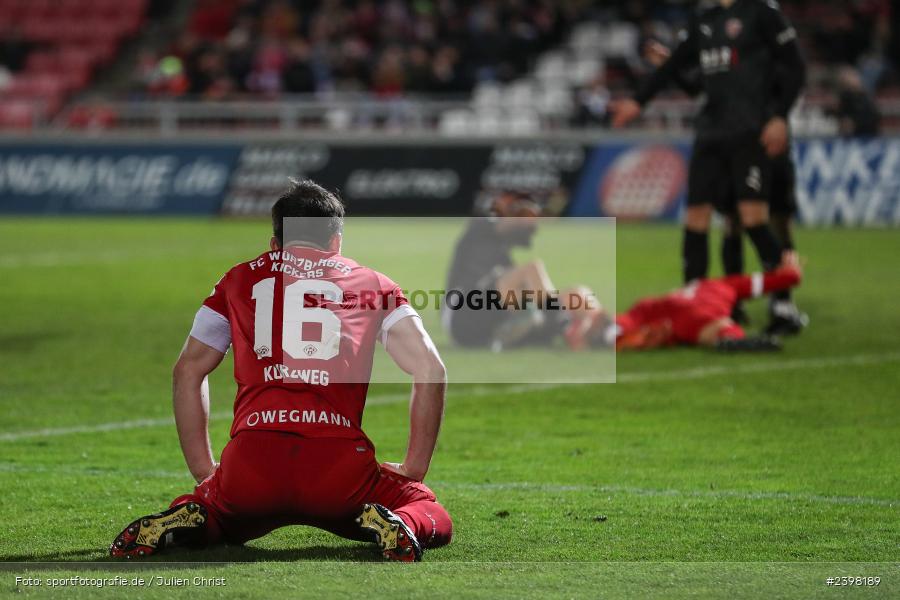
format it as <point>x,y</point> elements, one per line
<point>306,198</point>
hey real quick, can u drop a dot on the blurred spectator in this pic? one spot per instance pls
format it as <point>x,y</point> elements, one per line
<point>13,49</point>
<point>446,78</point>
<point>388,77</point>
<point>444,48</point>
<point>268,64</point>
<point>593,101</point>
<point>160,76</point>
<point>856,111</point>
<point>388,47</point>
<point>298,76</point>
<point>418,70</point>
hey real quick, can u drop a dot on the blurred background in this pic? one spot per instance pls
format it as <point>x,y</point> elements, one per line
<point>206,106</point>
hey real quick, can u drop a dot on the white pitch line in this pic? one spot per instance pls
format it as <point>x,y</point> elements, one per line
<point>98,428</point>
<point>626,378</point>
<point>13,436</point>
<point>61,259</point>
<point>653,492</point>
<point>760,367</point>
<point>58,259</point>
<point>548,488</point>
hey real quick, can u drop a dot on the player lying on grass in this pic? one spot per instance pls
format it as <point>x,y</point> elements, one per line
<point>700,313</point>
<point>527,308</point>
<point>302,321</point>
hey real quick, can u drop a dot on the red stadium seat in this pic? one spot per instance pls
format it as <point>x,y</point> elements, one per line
<point>15,9</point>
<point>39,30</point>
<point>103,51</point>
<point>40,9</point>
<point>17,114</point>
<point>118,8</point>
<point>35,86</point>
<point>92,30</point>
<point>42,62</point>
<point>74,37</point>
<point>126,24</point>
<point>77,9</point>
<point>76,58</point>
<point>93,117</point>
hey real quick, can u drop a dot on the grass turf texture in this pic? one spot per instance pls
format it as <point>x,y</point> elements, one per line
<point>692,476</point>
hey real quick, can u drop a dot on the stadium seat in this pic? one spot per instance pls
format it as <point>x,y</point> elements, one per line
<point>554,101</point>
<point>339,119</point>
<point>456,122</point>
<point>525,122</point>
<point>551,68</point>
<point>489,122</point>
<point>90,30</point>
<point>43,61</point>
<point>587,40</point>
<point>91,117</point>
<point>519,95</point>
<point>17,114</point>
<point>39,9</point>
<point>584,70</point>
<point>103,51</point>
<point>487,95</point>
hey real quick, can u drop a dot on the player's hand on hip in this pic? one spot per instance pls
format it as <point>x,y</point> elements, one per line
<point>403,471</point>
<point>774,137</point>
<point>624,112</point>
<point>206,473</point>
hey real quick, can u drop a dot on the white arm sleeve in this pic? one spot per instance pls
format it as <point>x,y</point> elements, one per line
<point>401,312</point>
<point>212,329</point>
<point>756,285</point>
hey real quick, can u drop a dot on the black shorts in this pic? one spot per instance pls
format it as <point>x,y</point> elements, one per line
<point>783,192</point>
<point>481,327</point>
<point>474,327</point>
<point>723,171</point>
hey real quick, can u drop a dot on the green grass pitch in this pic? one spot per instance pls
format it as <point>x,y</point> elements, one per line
<point>696,475</point>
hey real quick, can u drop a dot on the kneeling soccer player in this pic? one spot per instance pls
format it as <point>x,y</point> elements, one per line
<point>302,321</point>
<point>700,313</point>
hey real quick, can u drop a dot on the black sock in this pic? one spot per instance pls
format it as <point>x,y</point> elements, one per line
<point>733,253</point>
<point>767,247</point>
<point>781,226</point>
<point>695,253</point>
<point>783,295</point>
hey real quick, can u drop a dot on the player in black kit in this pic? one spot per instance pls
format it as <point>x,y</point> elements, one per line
<point>752,73</point>
<point>784,316</point>
<point>483,268</point>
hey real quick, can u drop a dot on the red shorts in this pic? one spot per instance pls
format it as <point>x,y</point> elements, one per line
<point>690,323</point>
<point>267,480</point>
<point>712,301</point>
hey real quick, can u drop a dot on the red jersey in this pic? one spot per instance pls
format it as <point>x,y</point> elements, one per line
<point>303,324</point>
<point>679,317</point>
